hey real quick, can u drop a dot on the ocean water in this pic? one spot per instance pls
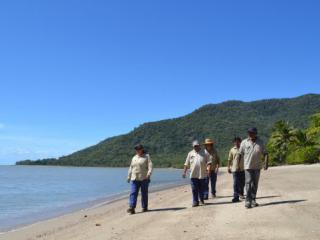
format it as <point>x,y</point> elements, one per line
<point>33,193</point>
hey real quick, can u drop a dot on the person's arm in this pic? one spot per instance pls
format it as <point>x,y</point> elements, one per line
<point>129,172</point>
<point>185,169</point>
<point>265,157</point>
<point>186,166</point>
<point>241,149</point>
<point>240,155</point>
<point>209,163</point>
<point>150,167</point>
<point>218,161</point>
<point>238,160</point>
<point>209,169</point>
<point>230,159</point>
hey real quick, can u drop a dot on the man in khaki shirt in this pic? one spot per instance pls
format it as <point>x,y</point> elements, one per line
<point>236,167</point>
<point>215,164</point>
<point>253,151</point>
<point>139,174</point>
<point>199,164</point>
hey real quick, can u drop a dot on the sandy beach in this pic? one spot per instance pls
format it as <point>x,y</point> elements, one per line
<point>289,208</point>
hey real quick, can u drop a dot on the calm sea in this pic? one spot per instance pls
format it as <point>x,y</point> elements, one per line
<point>32,193</point>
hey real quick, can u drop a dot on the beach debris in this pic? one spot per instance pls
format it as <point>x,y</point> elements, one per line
<point>85,216</point>
<point>98,224</point>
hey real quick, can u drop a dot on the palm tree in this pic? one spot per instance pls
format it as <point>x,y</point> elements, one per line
<point>301,139</point>
<point>281,138</point>
<point>313,132</point>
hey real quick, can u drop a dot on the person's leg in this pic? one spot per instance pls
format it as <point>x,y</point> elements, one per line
<point>241,183</point>
<point>144,194</point>
<point>248,181</point>
<point>213,179</point>
<point>135,185</point>
<point>206,188</point>
<point>195,191</point>
<point>235,187</point>
<point>202,186</point>
<point>255,183</point>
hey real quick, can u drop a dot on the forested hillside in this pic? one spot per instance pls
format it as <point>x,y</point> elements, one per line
<point>168,141</point>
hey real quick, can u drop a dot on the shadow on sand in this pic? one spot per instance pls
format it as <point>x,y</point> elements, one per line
<point>231,196</point>
<point>217,197</point>
<point>166,209</point>
<point>262,204</point>
<point>229,202</point>
<point>274,196</point>
<point>282,202</point>
<point>220,203</point>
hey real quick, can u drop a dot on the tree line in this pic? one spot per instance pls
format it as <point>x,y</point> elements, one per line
<point>290,145</point>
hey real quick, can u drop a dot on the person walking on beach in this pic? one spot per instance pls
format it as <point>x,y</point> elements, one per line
<point>139,174</point>
<point>236,167</point>
<point>199,163</point>
<point>253,151</point>
<point>215,164</point>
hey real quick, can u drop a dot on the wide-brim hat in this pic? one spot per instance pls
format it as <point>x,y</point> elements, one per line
<point>208,141</point>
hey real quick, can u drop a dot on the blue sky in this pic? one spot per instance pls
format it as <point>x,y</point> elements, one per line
<point>76,72</point>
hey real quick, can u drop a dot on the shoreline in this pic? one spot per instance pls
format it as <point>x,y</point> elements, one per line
<point>79,207</point>
<point>284,193</point>
<point>42,165</point>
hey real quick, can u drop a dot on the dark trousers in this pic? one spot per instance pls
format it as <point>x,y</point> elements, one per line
<point>213,180</point>
<point>252,181</point>
<point>135,186</point>
<point>197,186</point>
<point>238,183</point>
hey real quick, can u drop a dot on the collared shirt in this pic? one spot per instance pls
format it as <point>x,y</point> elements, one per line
<point>233,160</point>
<point>197,162</point>
<point>140,167</point>
<point>252,152</point>
<point>214,158</point>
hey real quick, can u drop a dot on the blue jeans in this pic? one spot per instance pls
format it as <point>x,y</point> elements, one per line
<point>197,186</point>
<point>135,186</point>
<point>238,183</point>
<point>213,181</point>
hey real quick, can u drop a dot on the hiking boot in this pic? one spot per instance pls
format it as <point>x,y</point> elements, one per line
<point>144,209</point>
<point>202,203</point>
<point>248,205</point>
<point>254,203</point>
<point>234,200</point>
<point>131,211</point>
<point>213,195</point>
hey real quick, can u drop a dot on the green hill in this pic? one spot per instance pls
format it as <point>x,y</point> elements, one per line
<point>168,141</point>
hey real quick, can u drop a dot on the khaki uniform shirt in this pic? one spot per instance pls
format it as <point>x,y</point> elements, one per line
<point>214,158</point>
<point>233,160</point>
<point>253,153</point>
<point>197,162</point>
<point>140,167</point>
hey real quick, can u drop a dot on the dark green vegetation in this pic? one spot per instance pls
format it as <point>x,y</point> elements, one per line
<point>168,141</point>
<point>289,145</point>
